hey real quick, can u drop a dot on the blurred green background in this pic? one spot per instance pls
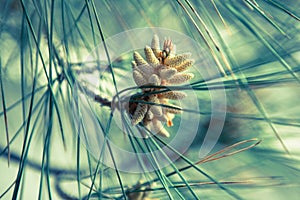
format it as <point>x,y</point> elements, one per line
<point>43,48</point>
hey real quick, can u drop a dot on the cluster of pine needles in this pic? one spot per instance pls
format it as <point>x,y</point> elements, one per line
<point>253,43</point>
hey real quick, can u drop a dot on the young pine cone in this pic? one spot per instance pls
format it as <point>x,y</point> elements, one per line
<point>159,68</point>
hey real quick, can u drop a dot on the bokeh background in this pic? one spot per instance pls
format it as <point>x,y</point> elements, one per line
<point>44,47</point>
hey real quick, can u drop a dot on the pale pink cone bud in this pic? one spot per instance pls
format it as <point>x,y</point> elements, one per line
<point>162,118</point>
<point>155,45</point>
<point>149,115</point>
<point>169,47</point>
<point>159,129</point>
<point>166,73</point>
<point>139,114</point>
<point>138,78</point>
<point>177,60</point>
<point>184,65</point>
<point>154,80</point>
<point>180,78</point>
<point>156,110</point>
<point>147,70</point>
<point>139,59</point>
<point>150,56</point>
